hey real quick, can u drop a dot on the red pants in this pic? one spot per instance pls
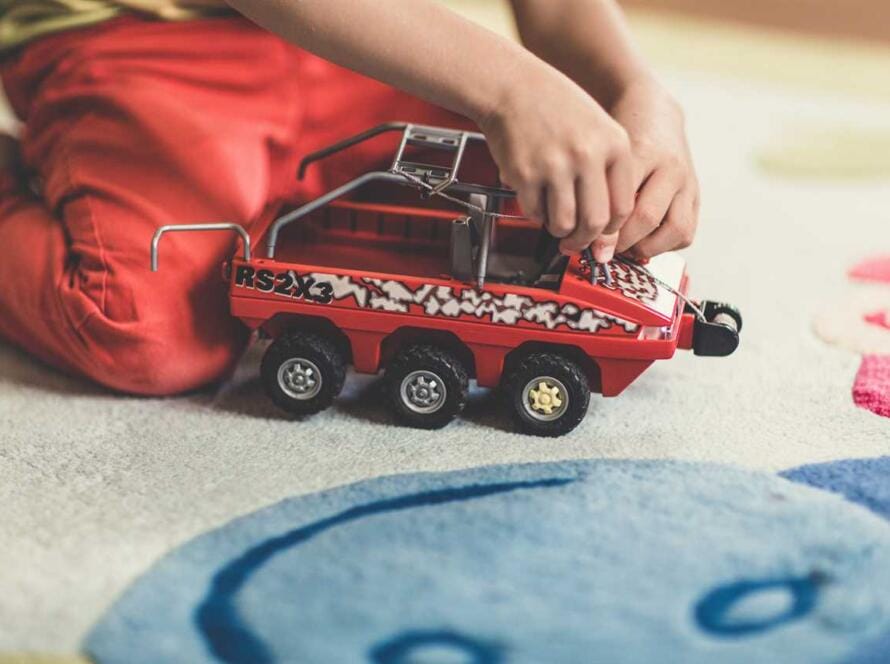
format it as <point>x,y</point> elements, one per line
<point>134,124</point>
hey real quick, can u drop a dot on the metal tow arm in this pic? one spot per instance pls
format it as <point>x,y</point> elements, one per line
<point>236,228</point>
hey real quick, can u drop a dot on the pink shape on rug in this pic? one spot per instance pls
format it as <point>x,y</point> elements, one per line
<point>872,388</point>
<point>873,269</point>
<point>879,318</point>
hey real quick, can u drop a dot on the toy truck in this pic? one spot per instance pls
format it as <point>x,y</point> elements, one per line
<point>449,288</point>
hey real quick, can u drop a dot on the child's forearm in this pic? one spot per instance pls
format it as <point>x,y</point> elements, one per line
<point>418,46</point>
<point>586,39</point>
<point>570,163</point>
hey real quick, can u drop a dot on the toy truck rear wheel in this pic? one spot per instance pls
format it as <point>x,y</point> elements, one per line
<point>547,394</point>
<point>303,372</point>
<point>426,386</point>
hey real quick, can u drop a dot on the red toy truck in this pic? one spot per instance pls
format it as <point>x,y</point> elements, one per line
<point>448,289</point>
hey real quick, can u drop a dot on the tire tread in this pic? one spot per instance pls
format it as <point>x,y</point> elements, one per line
<point>559,366</point>
<point>320,350</point>
<point>451,370</point>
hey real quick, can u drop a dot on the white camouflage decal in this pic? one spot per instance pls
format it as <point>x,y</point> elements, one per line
<point>394,296</point>
<point>634,284</point>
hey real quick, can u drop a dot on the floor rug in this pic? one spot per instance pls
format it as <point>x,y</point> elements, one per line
<point>530,563</point>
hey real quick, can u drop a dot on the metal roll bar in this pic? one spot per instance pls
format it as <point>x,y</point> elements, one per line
<point>312,206</point>
<point>156,239</point>
<point>435,137</point>
<point>439,178</point>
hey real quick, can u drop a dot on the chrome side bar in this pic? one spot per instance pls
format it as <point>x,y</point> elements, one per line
<point>237,228</point>
<point>348,143</point>
<point>410,132</point>
<point>312,206</point>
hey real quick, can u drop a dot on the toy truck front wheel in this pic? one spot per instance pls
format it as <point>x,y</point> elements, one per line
<point>303,373</point>
<point>547,394</point>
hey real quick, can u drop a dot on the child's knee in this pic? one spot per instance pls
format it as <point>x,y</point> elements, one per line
<point>150,364</point>
<point>169,340</point>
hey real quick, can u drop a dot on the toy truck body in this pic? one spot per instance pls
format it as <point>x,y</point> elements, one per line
<point>438,296</point>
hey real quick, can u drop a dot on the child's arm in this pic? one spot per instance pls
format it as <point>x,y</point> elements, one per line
<point>589,41</point>
<point>568,160</point>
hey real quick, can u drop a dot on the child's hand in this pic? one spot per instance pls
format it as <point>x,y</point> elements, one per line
<point>569,162</point>
<point>666,212</point>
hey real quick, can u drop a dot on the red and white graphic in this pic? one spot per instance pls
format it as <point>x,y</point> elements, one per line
<point>508,309</point>
<point>862,324</point>
<point>632,283</point>
<point>872,387</point>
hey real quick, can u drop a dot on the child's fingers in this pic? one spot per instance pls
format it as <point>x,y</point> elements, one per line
<point>561,207</point>
<point>532,201</point>
<point>678,229</point>
<point>651,207</point>
<point>592,194</point>
<point>604,247</point>
<point>622,186</point>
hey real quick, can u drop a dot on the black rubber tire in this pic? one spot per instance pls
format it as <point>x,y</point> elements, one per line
<point>443,364</point>
<point>322,352</point>
<point>555,366</point>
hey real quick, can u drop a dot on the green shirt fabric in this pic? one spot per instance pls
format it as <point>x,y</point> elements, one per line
<point>24,20</point>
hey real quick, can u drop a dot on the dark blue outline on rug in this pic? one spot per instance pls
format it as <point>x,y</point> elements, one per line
<point>217,617</point>
<point>401,648</point>
<point>713,610</point>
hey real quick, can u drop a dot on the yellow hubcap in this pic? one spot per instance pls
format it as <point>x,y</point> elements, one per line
<point>545,398</point>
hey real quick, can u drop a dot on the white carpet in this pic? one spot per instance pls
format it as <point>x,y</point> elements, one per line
<point>95,487</point>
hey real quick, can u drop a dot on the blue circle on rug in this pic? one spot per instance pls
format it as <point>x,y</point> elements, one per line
<point>862,481</point>
<point>867,483</point>
<point>587,561</point>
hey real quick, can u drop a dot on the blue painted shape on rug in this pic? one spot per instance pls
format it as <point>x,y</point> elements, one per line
<point>567,562</point>
<point>413,646</point>
<point>218,617</point>
<point>862,481</point>
<point>714,611</point>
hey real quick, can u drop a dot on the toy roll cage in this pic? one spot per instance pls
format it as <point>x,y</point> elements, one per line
<point>483,201</point>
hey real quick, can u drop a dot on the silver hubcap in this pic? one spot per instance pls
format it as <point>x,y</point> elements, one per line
<point>299,378</point>
<point>423,392</point>
<point>545,398</point>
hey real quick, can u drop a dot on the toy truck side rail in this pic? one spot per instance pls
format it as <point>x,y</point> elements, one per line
<point>439,178</point>
<point>175,228</point>
<point>321,201</point>
<point>438,138</point>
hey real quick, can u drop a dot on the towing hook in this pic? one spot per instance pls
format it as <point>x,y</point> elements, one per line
<point>718,334</point>
<point>181,228</point>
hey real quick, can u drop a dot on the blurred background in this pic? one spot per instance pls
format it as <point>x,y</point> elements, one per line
<point>858,19</point>
<point>823,50</point>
